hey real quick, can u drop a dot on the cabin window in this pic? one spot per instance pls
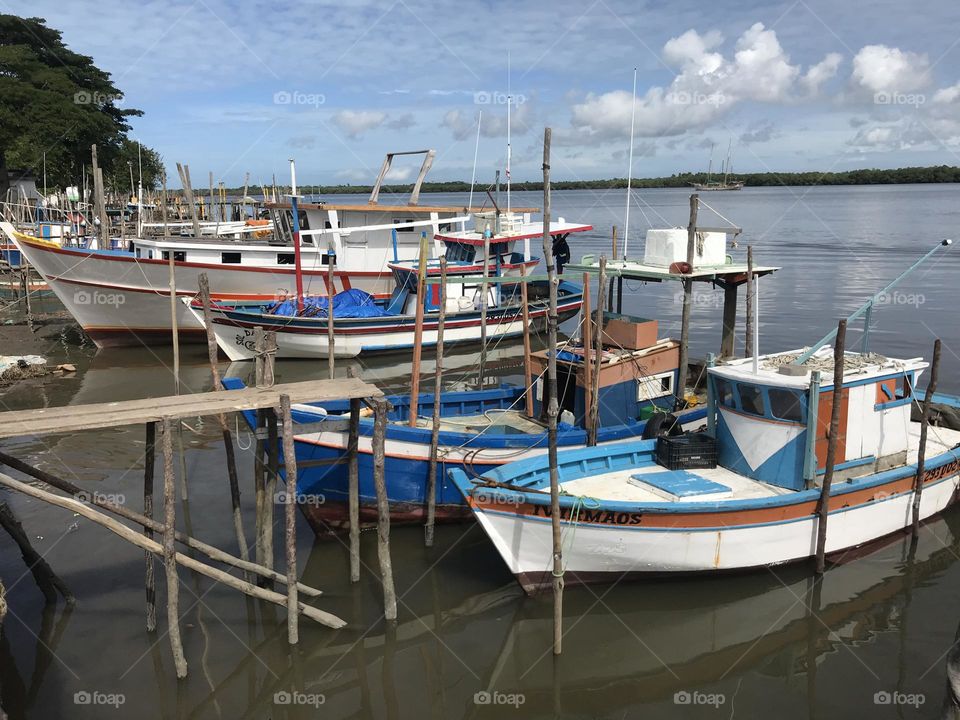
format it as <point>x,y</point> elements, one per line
<point>178,255</point>
<point>445,228</point>
<point>785,405</point>
<point>149,254</point>
<point>327,225</point>
<point>285,259</point>
<point>405,228</point>
<point>326,257</point>
<point>230,258</point>
<point>725,393</point>
<point>138,252</point>
<point>751,400</point>
<point>893,392</point>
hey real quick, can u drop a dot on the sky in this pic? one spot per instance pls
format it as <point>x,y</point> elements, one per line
<point>235,87</point>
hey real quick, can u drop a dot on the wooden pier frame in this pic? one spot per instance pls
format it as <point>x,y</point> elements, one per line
<point>924,427</point>
<point>167,412</point>
<point>823,505</point>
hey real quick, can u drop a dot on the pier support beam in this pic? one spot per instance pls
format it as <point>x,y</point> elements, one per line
<point>169,553</point>
<point>435,428</point>
<point>383,508</point>
<point>150,581</point>
<point>354,489</point>
<point>687,303</point>
<point>727,339</point>
<point>823,506</point>
<point>290,517</point>
<point>924,425</point>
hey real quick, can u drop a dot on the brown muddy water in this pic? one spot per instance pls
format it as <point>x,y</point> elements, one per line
<point>871,642</point>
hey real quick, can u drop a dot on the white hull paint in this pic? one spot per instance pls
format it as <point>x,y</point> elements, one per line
<point>525,542</point>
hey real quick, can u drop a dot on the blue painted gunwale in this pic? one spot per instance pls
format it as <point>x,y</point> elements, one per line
<point>534,474</point>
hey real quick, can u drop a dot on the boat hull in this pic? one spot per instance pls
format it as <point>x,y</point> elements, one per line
<point>610,544</point>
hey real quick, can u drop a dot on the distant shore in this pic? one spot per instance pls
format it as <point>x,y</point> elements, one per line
<point>899,176</point>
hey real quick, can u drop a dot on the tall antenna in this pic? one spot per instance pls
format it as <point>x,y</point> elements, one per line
<point>476,149</point>
<point>626,220</point>
<point>509,102</point>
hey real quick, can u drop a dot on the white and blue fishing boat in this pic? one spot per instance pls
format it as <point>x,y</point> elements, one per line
<point>745,493</point>
<point>481,430</point>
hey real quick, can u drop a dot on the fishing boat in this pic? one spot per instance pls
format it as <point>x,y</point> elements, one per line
<point>483,429</point>
<point>122,296</point>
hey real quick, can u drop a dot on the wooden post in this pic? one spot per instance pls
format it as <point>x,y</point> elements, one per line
<point>823,506</point>
<point>47,580</point>
<point>553,408</point>
<point>924,425</point>
<point>418,333</point>
<point>687,303</point>
<point>211,215</point>
<point>331,338</point>
<point>527,359</point>
<point>169,553</point>
<point>613,259</point>
<point>269,364</point>
<point>290,516</point>
<point>354,490</point>
<point>100,205</point>
<point>260,356</point>
<point>728,334</point>
<point>25,278</point>
<point>150,456</point>
<point>163,207</point>
<point>174,329</point>
<point>594,423</point>
<point>587,353</point>
<point>383,509</point>
<point>270,488</point>
<point>224,427</point>
<point>437,393</point>
<point>748,346</point>
<point>484,285</point>
<point>184,171</point>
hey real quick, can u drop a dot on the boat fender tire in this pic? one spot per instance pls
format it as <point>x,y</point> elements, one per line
<point>661,425</point>
<point>680,268</point>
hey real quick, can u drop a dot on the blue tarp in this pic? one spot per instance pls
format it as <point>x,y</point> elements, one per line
<point>351,303</point>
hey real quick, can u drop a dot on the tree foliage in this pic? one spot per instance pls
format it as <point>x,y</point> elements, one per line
<point>55,104</point>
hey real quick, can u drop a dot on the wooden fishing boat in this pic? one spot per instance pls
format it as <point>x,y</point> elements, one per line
<point>742,495</point>
<point>481,430</point>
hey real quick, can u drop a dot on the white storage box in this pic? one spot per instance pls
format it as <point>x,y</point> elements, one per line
<point>665,247</point>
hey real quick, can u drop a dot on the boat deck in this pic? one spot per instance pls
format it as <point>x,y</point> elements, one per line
<point>698,485</point>
<point>503,422</point>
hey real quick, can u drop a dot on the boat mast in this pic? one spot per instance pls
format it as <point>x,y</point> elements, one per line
<point>626,220</point>
<point>476,150</point>
<point>296,236</point>
<point>726,165</point>
<point>710,164</point>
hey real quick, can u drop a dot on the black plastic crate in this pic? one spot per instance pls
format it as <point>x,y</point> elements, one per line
<point>696,451</point>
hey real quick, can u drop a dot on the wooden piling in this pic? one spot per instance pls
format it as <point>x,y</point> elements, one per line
<point>169,553</point>
<point>331,337</point>
<point>354,489</point>
<point>383,508</point>
<point>418,333</point>
<point>259,357</point>
<point>553,408</point>
<point>588,345</point>
<point>728,333</point>
<point>163,206</point>
<point>748,345</point>
<point>184,171</point>
<point>437,395</point>
<point>484,289</point>
<point>270,490</point>
<point>924,426</point>
<point>613,258</point>
<point>290,517</point>
<point>527,358</point>
<point>25,279</point>
<point>823,505</point>
<point>232,476</point>
<point>594,420</point>
<point>687,304</point>
<point>150,581</point>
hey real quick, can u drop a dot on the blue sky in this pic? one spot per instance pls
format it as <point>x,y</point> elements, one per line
<point>807,85</point>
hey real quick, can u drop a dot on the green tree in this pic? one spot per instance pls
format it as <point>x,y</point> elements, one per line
<point>55,104</point>
<point>130,159</point>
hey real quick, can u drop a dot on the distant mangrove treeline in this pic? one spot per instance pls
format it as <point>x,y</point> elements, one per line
<point>938,174</point>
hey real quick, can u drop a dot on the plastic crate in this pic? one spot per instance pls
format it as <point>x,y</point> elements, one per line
<point>696,451</point>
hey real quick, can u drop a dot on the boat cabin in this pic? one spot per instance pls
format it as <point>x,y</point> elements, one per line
<point>772,424</point>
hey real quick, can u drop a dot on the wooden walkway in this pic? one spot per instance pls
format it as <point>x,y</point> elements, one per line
<point>47,421</point>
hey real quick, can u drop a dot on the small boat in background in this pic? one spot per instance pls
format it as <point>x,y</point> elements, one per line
<point>742,495</point>
<point>726,183</point>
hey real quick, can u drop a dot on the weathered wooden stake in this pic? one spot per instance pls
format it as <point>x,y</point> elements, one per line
<point>354,490</point>
<point>331,337</point>
<point>924,426</point>
<point>594,422</point>
<point>613,259</point>
<point>748,346</point>
<point>47,580</point>
<point>418,333</point>
<point>553,408</point>
<point>586,309</point>
<point>169,553</point>
<point>823,505</point>
<point>687,303</point>
<point>290,530</point>
<point>149,461</point>
<point>527,359</point>
<point>383,508</point>
<point>184,171</point>
<point>224,426</point>
<point>484,285</point>
<point>437,394</point>
<point>163,207</point>
<point>25,278</point>
<point>270,488</point>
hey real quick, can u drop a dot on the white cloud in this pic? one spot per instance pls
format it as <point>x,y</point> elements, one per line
<point>493,124</point>
<point>356,122</point>
<point>707,87</point>
<point>821,72</point>
<point>878,68</point>
<point>947,95</point>
<point>399,174</point>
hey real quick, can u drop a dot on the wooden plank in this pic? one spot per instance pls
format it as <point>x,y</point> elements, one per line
<point>46,421</point>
